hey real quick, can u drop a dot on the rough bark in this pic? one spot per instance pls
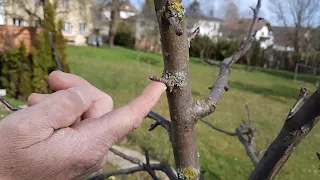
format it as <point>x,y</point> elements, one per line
<point>292,133</point>
<point>175,49</point>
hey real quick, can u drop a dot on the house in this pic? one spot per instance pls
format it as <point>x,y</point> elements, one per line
<point>238,29</point>
<point>77,17</point>
<point>286,36</point>
<point>209,25</point>
<point>126,10</point>
<point>147,30</point>
<point>103,16</point>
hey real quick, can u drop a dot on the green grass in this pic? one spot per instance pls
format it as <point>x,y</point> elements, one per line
<point>123,73</point>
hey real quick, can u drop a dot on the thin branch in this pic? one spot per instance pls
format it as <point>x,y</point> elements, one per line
<point>303,94</point>
<point>164,167</point>
<point>193,35</point>
<point>55,54</point>
<point>8,105</point>
<point>208,61</point>
<point>291,134</point>
<point>126,157</point>
<point>249,114</point>
<point>207,106</point>
<point>247,143</point>
<point>160,121</point>
<point>149,167</point>
<point>218,129</point>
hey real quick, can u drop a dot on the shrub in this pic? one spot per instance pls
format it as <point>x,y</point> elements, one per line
<point>125,35</point>
<point>218,49</point>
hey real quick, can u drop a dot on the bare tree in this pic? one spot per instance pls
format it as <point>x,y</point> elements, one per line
<point>299,13</point>
<point>186,111</point>
<point>229,9</point>
<point>115,14</point>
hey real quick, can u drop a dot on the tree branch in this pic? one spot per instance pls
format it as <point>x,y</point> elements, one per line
<point>55,54</point>
<point>8,105</point>
<point>244,129</point>
<point>159,121</point>
<point>208,61</point>
<point>149,167</point>
<point>303,94</point>
<point>291,134</point>
<point>207,106</point>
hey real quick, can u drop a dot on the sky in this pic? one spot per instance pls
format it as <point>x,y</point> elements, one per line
<point>242,4</point>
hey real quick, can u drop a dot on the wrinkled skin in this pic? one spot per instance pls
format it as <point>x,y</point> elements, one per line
<point>67,134</point>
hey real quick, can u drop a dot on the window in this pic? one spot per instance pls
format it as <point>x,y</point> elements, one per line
<point>17,22</point>
<point>82,28</point>
<point>67,27</point>
<point>65,4</point>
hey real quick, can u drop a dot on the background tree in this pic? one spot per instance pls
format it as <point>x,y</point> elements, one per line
<point>229,9</point>
<point>298,14</point>
<point>115,15</point>
<point>148,6</point>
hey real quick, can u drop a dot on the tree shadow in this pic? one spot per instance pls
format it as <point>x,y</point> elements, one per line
<point>275,92</point>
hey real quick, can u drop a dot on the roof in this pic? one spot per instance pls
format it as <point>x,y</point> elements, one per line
<point>284,36</point>
<point>238,28</point>
<point>124,6</point>
<point>200,15</point>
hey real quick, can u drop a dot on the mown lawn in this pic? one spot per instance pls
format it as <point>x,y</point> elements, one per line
<point>123,73</point>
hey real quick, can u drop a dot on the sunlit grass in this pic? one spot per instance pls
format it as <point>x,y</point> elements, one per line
<point>123,73</point>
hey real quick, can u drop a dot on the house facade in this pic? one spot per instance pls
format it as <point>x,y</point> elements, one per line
<point>235,28</point>
<point>77,17</point>
<point>147,29</point>
<point>102,16</point>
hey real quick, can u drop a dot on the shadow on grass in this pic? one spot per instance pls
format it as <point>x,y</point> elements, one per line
<point>273,92</point>
<point>288,75</point>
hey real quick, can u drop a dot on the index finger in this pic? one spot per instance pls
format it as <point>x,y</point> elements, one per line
<point>119,122</point>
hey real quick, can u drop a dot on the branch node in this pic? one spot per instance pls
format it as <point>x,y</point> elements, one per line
<point>302,95</point>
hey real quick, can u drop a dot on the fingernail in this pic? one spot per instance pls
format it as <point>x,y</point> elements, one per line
<point>84,93</point>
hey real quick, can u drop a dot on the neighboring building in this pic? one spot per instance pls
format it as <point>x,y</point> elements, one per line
<point>209,25</point>
<point>103,17</point>
<point>238,29</point>
<point>126,10</point>
<point>77,17</point>
<point>147,31</point>
<point>285,38</point>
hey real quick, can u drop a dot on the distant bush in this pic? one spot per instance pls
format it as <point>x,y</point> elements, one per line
<point>16,73</point>
<point>125,35</point>
<point>214,49</point>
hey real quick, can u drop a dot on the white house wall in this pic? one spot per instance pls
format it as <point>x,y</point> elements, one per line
<point>208,28</point>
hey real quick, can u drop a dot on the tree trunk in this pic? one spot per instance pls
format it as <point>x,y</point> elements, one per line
<point>176,70</point>
<point>115,14</point>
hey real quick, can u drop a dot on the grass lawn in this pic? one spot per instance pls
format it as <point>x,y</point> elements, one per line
<point>123,73</point>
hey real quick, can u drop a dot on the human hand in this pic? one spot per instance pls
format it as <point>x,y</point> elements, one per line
<point>67,134</point>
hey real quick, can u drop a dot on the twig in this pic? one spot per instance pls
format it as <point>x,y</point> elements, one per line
<point>208,61</point>
<point>149,167</point>
<point>164,167</point>
<point>302,95</point>
<point>207,106</point>
<point>218,129</point>
<point>193,35</point>
<point>159,121</point>
<point>291,134</point>
<point>54,51</point>
<point>8,105</point>
<point>248,144</point>
<point>126,157</point>
<point>240,132</point>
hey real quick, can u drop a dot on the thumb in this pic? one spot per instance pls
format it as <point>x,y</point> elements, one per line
<point>116,124</point>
